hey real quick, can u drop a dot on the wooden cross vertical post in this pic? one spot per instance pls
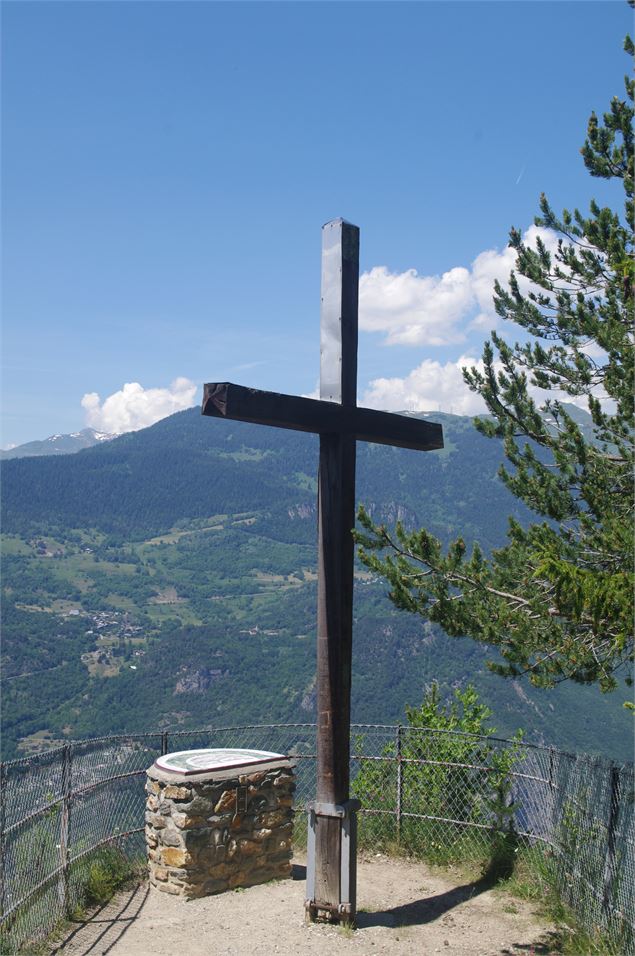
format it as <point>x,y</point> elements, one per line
<point>331,860</point>
<point>331,876</point>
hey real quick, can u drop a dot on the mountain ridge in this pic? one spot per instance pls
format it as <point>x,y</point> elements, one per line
<point>58,444</point>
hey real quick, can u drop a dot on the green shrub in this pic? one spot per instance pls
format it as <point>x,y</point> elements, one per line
<point>452,776</point>
<point>107,870</point>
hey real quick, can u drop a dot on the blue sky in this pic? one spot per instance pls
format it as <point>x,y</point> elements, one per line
<point>167,168</point>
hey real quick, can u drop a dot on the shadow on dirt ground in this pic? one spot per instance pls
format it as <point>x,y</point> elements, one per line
<point>422,911</point>
<point>105,928</point>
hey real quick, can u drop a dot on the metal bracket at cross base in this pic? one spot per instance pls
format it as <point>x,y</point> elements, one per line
<point>334,825</point>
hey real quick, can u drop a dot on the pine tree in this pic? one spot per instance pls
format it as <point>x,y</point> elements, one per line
<point>557,600</point>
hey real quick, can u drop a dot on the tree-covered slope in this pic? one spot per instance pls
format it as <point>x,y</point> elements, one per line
<point>168,578</point>
<point>187,467</point>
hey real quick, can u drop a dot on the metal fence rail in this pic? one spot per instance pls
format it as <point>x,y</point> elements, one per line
<point>435,794</point>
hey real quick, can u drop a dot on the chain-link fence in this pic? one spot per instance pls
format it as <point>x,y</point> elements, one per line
<point>438,795</point>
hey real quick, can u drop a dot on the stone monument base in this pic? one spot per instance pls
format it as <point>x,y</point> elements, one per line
<point>227,825</point>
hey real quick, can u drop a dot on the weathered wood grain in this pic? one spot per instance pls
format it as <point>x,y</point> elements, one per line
<point>238,403</point>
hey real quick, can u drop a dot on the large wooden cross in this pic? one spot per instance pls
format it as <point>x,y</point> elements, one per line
<point>331,871</point>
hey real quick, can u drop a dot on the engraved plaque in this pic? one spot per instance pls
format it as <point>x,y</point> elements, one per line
<point>206,761</point>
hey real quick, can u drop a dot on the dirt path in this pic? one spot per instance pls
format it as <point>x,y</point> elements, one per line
<point>403,909</point>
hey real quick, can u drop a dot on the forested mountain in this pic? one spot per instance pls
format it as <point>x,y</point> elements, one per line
<point>167,577</point>
<point>188,467</point>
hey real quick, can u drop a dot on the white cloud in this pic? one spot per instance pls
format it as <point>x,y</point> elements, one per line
<point>431,386</point>
<point>413,309</point>
<point>134,407</point>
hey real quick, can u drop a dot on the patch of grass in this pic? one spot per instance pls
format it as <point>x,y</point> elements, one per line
<point>420,840</point>
<point>11,544</point>
<point>109,871</point>
<point>160,612</point>
<point>100,876</point>
<point>574,941</point>
<point>535,880</point>
<point>94,880</point>
<point>39,741</point>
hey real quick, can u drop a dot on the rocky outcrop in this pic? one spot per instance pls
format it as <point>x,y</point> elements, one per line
<point>199,680</point>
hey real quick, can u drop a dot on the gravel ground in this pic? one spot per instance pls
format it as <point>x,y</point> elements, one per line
<point>403,908</point>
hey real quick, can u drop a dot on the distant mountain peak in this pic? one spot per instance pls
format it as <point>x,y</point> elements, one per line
<point>58,444</point>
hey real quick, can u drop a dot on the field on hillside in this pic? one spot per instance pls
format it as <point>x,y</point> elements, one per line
<point>213,622</point>
<point>167,578</point>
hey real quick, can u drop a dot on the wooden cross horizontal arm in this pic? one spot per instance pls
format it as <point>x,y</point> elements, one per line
<point>235,402</point>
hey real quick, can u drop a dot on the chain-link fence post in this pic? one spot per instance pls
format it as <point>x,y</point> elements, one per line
<point>65,824</point>
<point>399,782</point>
<point>614,804</point>
<point>551,765</point>
<point>164,743</point>
<point>3,803</point>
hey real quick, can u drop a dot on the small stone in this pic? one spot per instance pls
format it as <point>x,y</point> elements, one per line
<point>258,803</point>
<point>262,833</point>
<point>169,888</point>
<point>249,847</point>
<point>227,800</point>
<point>186,822</point>
<point>218,836</point>
<point>209,856</point>
<point>175,857</point>
<point>156,820</point>
<point>170,837</point>
<point>283,780</point>
<point>273,819</point>
<point>160,873</point>
<point>212,792</point>
<point>153,786</point>
<point>172,792</point>
<point>214,886</point>
<point>197,806</point>
<point>255,778</point>
<point>196,839</point>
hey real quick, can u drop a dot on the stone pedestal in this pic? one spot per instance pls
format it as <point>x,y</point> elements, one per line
<point>218,819</point>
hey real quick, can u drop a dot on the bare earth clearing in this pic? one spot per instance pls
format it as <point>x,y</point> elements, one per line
<point>404,909</point>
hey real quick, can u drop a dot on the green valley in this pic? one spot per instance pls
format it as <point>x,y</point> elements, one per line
<point>167,578</point>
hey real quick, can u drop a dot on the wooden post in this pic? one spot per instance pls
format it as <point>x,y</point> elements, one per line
<point>336,510</point>
<point>331,846</point>
<point>336,519</point>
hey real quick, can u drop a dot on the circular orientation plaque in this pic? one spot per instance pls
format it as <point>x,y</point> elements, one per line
<point>206,761</point>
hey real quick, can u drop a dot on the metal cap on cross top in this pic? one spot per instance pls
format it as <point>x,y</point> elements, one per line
<point>335,417</point>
